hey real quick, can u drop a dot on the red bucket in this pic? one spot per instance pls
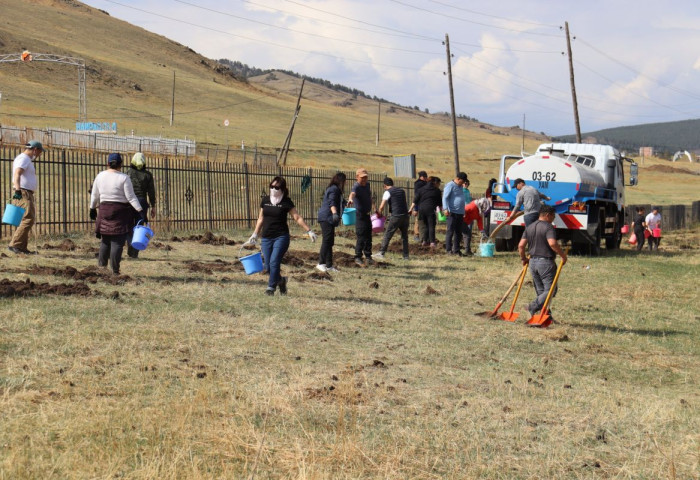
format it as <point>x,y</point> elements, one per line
<point>647,233</point>
<point>625,229</point>
<point>656,233</point>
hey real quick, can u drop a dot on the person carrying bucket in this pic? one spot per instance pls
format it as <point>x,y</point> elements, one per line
<point>112,205</point>
<point>329,218</point>
<point>639,225</point>
<point>400,218</point>
<point>653,221</point>
<point>541,240</point>
<point>474,210</point>
<point>361,199</point>
<point>144,186</point>
<point>272,225</point>
<point>24,185</point>
<point>429,201</point>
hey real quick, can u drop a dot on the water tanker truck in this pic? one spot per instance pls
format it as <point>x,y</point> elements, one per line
<point>586,184</point>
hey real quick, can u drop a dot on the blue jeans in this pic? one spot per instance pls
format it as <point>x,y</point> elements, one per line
<point>273,249</point>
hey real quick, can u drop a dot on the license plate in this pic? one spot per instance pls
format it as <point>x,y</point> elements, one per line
<point>498,216</point>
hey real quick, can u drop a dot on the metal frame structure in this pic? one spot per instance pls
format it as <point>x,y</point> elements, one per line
<point>26,57</point>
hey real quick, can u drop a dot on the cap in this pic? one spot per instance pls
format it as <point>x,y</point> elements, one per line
<point>462,176</point>
<point>361,172</point>
<point>138,161</point>
<point>35,144</point>
<point>114,159</point>
<point>388,182</point>
<point>422,173</point>
<point>656,207</point>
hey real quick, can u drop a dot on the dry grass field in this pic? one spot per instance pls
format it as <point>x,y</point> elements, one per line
<point>182,368</point>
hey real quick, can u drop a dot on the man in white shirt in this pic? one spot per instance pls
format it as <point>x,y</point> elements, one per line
<point>24,184</point>
<point>653,222</point>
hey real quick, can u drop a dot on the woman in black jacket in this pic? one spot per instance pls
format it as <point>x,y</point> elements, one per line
<point>429,199</point>
<point>329,218</point>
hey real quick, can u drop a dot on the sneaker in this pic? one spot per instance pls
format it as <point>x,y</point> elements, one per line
<point>531,311</point>
<point>332,270</point>
<point>321,267</point>
<point>468,253</point>
<point>416,238</point>
<point>405,257</point>
<point>370,261</point>
<point>282,284</point>
<point>359,263</point>
<point>378,256</point>
<point>433,245</point>
<point>269,291</point>
<point>15,250</point>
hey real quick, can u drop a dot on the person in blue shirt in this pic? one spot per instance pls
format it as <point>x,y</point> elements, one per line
<point>329,218</point>
<point>453,206</point>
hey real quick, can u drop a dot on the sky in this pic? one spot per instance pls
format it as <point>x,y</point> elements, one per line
<point>634,62</point>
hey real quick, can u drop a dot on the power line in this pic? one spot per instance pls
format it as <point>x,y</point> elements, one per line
<point>494,16</point>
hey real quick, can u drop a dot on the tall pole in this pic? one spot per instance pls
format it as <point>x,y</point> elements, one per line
<point>522,149</point>
<point>452,104</point>
<point>172,109</point>
<point>573,84</point>
<point>379,114</point>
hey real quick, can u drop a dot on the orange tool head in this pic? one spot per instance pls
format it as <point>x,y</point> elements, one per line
<point>542,320</point>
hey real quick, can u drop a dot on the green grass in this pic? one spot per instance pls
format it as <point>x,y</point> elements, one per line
<point>189,374</point>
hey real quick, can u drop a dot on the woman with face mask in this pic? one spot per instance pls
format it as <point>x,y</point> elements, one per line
<point>272,226</point>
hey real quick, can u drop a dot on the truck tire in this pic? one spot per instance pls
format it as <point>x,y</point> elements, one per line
<point>505,244</point>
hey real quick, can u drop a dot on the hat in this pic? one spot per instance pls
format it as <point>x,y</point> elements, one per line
<point>462,176</point>
<point>656,207</point>
<point>361,172</point>
<point>388,182</point>
<point>422,173</point>
<point>138,161</point>
<point>114,159</point>
<point>35,144</point>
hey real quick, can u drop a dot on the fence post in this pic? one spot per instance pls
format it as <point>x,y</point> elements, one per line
<point>247,193</point>
<point>209,207</point>
<point>166,192</point>
<point>64,189</point>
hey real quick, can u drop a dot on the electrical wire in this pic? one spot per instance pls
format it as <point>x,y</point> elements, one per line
<point>444,4</point>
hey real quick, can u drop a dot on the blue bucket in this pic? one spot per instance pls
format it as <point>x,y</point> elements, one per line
<point>142,235</point>
<point>13,215</point>
<point>349,216</point>
<point>252,263</point>
<point>487,249</point>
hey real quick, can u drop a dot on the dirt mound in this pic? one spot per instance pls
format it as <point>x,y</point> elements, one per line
<point>670,169</point>
<point>89,274</point>
<point>162,246</point>
<point>66,245</point>
<point>216,266</point>
<point>27,288</point>
<point>207,238</point>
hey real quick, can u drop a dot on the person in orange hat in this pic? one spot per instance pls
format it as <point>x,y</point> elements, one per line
<point>361,199</point>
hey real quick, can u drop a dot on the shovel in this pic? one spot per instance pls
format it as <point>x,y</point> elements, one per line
<point>511,316</point>
<point>503,224</point>
<point>543,319</point>
<point>494,313</point>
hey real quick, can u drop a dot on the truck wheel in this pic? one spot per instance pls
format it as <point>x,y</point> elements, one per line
<point>505,244</point>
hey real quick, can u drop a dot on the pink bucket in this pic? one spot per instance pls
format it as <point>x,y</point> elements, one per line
<point>377,223</point>
<point>647,234</point>
<point>625,229</point>
<point>656,233</point>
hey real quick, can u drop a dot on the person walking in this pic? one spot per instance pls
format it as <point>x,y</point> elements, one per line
<point>272,225</point>
<point>24,185</point>
<point>429,199</point>
<point>144,186</point>
<point>420,230</point>
<point>474,210</point>
<point>453,206</point>
<point>467,229</point>
<point>329,218</point>
<point>530,198</point>
<point>112,205</point>
<point>399,219</point>
<point>361,199</point>
<point>541,241</point>
<point>639,226</point>
<point>653,222</point>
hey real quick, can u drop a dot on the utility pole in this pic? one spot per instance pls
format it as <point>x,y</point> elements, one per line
<point>452,104</point>
<point>172,109</point>
<point>573,84</point>
<point>522,149</point>
<point>379,114</point>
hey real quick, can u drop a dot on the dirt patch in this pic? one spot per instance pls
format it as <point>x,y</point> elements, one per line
<point>66,245</point>
<point>27,288</point>
<point>670,169</point>
<point>216,266</point>
<point>89,274</point>
<point>162,246</point>
<point>207,238</point>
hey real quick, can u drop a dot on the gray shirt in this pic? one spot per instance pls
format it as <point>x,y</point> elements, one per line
<point>536,235</point>
<point>530,197</point>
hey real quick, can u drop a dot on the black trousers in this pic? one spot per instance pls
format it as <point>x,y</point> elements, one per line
<point>111,248</point>
<point>453,237</point>
<point>397,222</point>
<point>325,256</point>
<point>363,230</point>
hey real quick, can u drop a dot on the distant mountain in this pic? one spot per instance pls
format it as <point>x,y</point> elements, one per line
<point>666,137</point>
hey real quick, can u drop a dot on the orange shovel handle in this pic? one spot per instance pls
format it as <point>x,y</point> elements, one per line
<point>510,289</point>
<point>551,289</point>
<point>520,285</point>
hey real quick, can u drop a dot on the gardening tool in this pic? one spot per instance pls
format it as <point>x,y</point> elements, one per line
<point>543,319</point>
<point>511,316</point>
<point>510,289</point>
<point>503,224</point>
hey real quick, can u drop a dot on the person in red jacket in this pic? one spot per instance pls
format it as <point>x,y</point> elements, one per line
<point>474,210</point>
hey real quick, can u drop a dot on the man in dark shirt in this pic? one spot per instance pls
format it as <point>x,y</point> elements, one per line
<point>361,199</point>
<point>420,229</point>
<point>399,220</point>
<point>541,240</point>
<point>144,186</point>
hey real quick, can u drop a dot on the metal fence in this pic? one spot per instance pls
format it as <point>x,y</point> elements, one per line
<point>191,194</point>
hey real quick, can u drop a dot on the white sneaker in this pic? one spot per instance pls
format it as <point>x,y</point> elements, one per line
<point>332,270</point>
<point>321,267</point>
<point>378,256</point>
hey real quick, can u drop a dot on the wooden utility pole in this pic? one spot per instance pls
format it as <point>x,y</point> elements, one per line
<point>452,104</point>
<point>573,84</point>
<point>282,159</point>
<point>522,149</point>
<point>172,109</point>
<point>379,115</point>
